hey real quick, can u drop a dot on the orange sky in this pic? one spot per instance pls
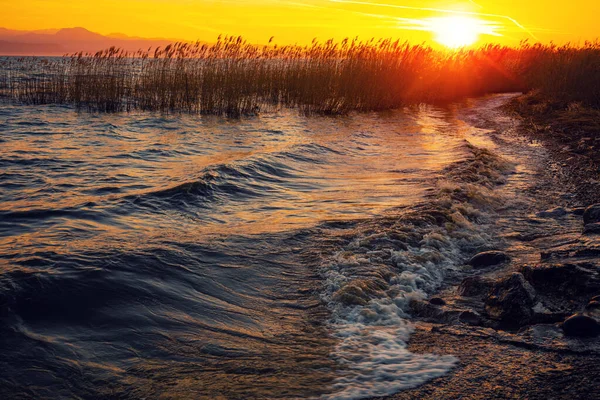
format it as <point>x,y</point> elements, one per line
<point>300,20</point>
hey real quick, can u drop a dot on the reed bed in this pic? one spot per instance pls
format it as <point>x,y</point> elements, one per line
<point>233,77</point>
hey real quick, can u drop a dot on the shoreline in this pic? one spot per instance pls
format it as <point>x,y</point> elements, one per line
<point>571,134</point>
<point>532,357</point>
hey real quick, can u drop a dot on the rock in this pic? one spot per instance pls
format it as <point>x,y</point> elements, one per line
<point>593,306</point>
<point>437,301</point>
<point>595,298</point>
<point>553,213</point>
<point>571,251</point>
<point>578,211</point>
<point>426,310</point>
<point>562,280</point>
<point>474,286</point>
<point>511,301</point>
<point>581,325</point>
<point>592,229</point>
<point>591,214</point>
<point>488,259</point>
<point>586,252</point>
<point>593,309</point>
<point>470,318</point>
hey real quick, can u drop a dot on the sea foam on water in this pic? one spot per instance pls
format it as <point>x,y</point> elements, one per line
<point>370,284</point>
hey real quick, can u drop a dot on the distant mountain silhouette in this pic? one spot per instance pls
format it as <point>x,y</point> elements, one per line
<point>52,42</point>
<point>78,34</point>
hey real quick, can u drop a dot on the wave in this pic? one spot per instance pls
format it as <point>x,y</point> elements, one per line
<point>387,263</point>
<point>244,180</point>
<point>237,181</point>
<point>15,223</point>
<point>40,162</point>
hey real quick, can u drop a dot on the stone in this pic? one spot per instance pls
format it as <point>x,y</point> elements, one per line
<point>437,301</point>
<point>470,318</point>
<point>424,309</point>
<point>593,309</point>
<point>593,306</point>
<point>488,259</point>
<point>578,211</point>
<point>581,325</point>
<point>586,252</point>
<point>511,301</point>
<point>474,286</point>
<point>592,229</point>
<point>566,280</point>
<point>553,213</point>
<point>591,214</point>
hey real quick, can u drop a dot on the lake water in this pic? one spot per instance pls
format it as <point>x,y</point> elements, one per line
<point>197,257</point>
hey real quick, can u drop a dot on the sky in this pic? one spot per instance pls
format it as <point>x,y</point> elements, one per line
<point>299,21</point>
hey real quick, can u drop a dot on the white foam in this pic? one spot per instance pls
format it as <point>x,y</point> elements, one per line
<point>373,335</point>
<point>378,362</point>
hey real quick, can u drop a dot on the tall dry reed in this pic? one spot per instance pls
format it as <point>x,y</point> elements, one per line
<point>233,77</point>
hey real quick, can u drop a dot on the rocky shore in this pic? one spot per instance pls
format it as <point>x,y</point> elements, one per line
<point>524,320</point>
<point>563,288</point>
<point>571,133</point>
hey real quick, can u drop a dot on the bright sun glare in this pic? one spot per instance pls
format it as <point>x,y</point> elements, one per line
<point>456,31</point>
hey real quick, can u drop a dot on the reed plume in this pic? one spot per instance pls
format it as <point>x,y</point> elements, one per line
<point>232,77</point>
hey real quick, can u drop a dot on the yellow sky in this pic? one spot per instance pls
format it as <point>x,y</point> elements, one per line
<point>300,20</point>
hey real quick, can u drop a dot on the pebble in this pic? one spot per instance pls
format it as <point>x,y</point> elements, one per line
<point>437,301</point>
<point>470,318</point>
<point>488,259</point>
<point>553,213</point>
<point>592,229</point>
<point>581,325</point>
<point>593,305</point>
<point>591,214</point>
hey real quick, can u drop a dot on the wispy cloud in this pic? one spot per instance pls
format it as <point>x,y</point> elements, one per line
<point>475,4</point>
<point>431,24</point>
<point>439,10</point>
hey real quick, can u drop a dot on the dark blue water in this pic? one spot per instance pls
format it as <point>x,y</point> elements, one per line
<point>187,257</point>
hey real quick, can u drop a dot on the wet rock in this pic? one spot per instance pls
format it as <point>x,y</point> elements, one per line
<point>511,301</point>
<point>562,280</point>
<point>571,251</point>
<point>581,325</point>
<point>437,301</point>
<point>474,286</point>
<point>586,252</point>
<point>522,237</point>
<point>553,213</point>
<point>470,318</point>
<point>488,259</point>
<point>592,229</point>
<point>549,277</point>
<point>544,315</point>
<point>591,214</point>
<point>425,309</point>
<point>593,306</point>
<point>547,255</point>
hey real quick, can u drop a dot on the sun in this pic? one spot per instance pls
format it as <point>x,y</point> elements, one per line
<point>456,31</point>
